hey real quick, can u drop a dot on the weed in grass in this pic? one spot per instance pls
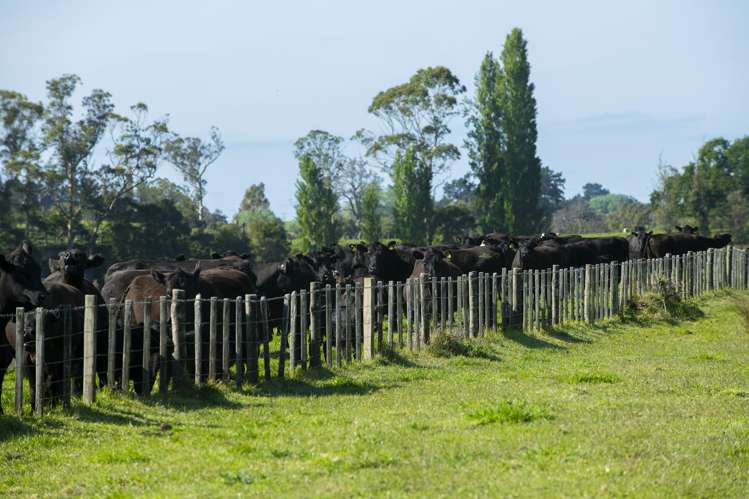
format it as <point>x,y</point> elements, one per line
<point>443,344</point>
<point>593,378</point>
<point>736,392</point>
<point>708,357</point>
<point>508,412</point>
<point>664,303</point>
<point>240,477</point>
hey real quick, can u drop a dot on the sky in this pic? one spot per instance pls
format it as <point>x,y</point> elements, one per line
<point>619,86</point>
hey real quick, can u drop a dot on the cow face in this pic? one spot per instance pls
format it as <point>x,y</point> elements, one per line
<point>20,280</point>
<point>179,279</point>
<point>72,264</point>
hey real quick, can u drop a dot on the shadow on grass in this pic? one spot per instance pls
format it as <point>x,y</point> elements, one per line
<point>530,341</point>
<point>11,427</point>
<point>192,398</point>
<point>566,337</point>
<point>301,387</point>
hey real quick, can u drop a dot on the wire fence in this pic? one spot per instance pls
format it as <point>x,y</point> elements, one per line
<point>165,343</point>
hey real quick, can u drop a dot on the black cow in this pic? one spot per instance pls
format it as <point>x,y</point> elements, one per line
<point>69,268</point>
<point>20,286</point>
<point>659,245</point>
<point>58,296</point>
<point>482,258</point>
<point>390,263</point>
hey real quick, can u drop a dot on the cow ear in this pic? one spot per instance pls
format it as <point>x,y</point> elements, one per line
<point>54,264</point>
<point>94,261</point>
<point>215,256</point>
<point>678,227</point>
<point>158,276</point>
<point>418,255</point>
<point>449,255</point>
<point>362,247</point>
<point>27,248</point>
<point>5,265</point>
<point>179,258</point>
<point>392,244</point>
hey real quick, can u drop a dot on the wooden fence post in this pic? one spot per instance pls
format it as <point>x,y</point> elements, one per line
<point>146,353</point>
<point>368,318</point>
<point>39,360</point>
<point>409,313</point>
<point>266,337</point>
<point>89,349</point>
<point>423,314</point>
<point>358,319</point>
<point>473,325</point>
<point>587,299</point>
<point>338,327</point>
<point>252,331</point>
<point>314,323</point>
<point>284,336</point>
<point>328,326</point>
<point>303,336</point>
<point>398,311</point>
<point>293,334</point>
<point>112,343</point>
<point>391,313</point>
<point>198,326</point>
<point>163,346</point>
<point>212,337</point>
<point>20,358</point>
<point>178,337</point>
<point>127,342</point>
<point>226,343</point>
<point>347,320</point>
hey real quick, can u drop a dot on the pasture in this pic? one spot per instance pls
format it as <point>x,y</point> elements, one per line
<point>636,407</point>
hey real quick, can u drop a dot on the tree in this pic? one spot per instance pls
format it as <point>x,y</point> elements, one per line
<point>665,199</point>
<point>371,220</point>
<point>254,199</point>
<point>73,143</point>
<point>552,196</point>
<point>265,234</point>
<point>461,190</point>
<point>348,175</point>
<point>324,149</point>
<point>518,123</point>
<point>138,148</point>
<point>485,147</point>
<point>20,152</point>
<point>591,190</point>
<point>317,207</point>
<point>412,207</point>
<point>192,156</point>
<point>417,115</point>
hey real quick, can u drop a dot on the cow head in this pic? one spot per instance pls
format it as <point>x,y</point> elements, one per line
<point>722,240</point>
<point>179,279</point>
<point>72,265</point>
<point>20,280</point>
<point>687,229</point>
<point>295,274</point>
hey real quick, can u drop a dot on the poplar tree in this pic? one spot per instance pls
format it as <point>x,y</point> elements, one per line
<point>317,207</point>
<point>518,124</point>
<point>484,145</point>
<point>371,221</point>
<point>412,206</point>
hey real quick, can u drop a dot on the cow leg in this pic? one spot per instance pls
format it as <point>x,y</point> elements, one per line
<point>30,369</point>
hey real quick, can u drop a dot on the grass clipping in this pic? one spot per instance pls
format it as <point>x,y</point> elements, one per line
<point>664,303</point>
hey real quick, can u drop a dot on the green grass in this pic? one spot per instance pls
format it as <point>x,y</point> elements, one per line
<point>634,408</point>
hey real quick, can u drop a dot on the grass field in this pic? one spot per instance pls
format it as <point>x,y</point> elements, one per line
<point>633,409</point>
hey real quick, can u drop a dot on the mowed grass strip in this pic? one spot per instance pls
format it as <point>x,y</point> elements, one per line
<point>618,409</point>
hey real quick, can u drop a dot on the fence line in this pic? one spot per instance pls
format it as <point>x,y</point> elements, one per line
<point>168,341</point>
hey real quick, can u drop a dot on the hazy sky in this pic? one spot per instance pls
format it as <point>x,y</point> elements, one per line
<point>617,85</point>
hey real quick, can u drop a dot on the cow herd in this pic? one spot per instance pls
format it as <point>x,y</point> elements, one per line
<point>232,275</point>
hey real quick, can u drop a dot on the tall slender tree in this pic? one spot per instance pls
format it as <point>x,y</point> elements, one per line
<point>518,123</point>
<point>485,148</point>
<point>413,205</point>
<point>317,207</point>
<point>371,220</point>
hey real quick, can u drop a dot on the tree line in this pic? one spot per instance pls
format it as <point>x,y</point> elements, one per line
<point>86,175</point>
